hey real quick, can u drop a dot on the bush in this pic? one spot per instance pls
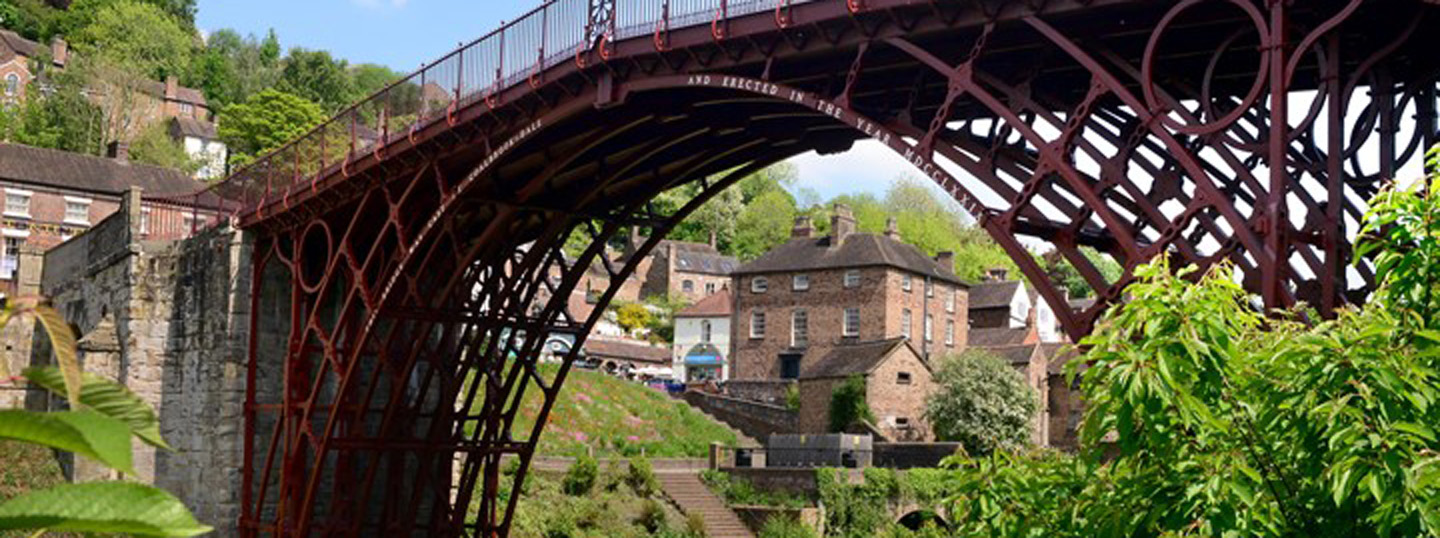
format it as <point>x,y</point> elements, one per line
<point>792,397</point>
<point>738,491</point>
<point>581,476</point>
<point>652,517</point>
<point>785,527</point>
<point>981,402</point>
<point>641,477</point>
<point>847,404</point>
<point>695,525</point>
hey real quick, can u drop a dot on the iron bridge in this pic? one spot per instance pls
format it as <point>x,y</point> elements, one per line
<point>408,252</point>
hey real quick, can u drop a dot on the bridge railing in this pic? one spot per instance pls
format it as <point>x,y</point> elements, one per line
<point>516,53</point>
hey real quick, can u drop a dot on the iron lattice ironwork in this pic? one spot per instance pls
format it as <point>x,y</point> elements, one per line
<point>415,253</point>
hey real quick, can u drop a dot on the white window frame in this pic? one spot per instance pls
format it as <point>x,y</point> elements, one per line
<point>757,324</point>
<point>759,284</point>
<point>950,332</point>
<point>144,221</point>
<point>907,283</point>
<point>852,278</point>
<point>800,282</point>
<point>929,288</point>
<point>709,288</point>
<point>706,330</point>
<point>929,328</point>
<point>950,304</point>
<point>86,202</point>
<point>799,328</point>
<point>687,286</point>
<point>907,319</point>
<point>29,197</point>
<point>12,84</point>
<point>8,257</point>
<point>851,329</point>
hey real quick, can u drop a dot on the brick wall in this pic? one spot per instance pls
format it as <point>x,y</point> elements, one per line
<point>890,401</point>
<point>936,305</point>
<point>754,419</point>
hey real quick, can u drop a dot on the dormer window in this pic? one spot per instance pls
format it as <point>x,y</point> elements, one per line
<point>800,283</point>
<point>759,284</point>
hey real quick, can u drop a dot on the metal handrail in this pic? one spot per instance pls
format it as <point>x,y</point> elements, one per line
<point>478,72</point>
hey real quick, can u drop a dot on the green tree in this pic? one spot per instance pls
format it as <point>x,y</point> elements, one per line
<point>981,402</point>
<point>848,404</point>
<point>139,38</point>
<point>155,146</point>
<point>370,78</point>
<point>1068,277</point>
<point>317,77</point>
<point>763,224</point>
<point>231,68</point>
<point>264,122</point>
<point>64,120</point>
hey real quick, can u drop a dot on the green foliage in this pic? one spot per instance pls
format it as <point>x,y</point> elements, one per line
<point>641,477</point>
<point>65,120</point>
<point>652,517</point>
<point>738,491</point>
<point>107,397</point>
<point>85,433</point>
<point>631,316</point>
<point>137,37</point>
<point>266,121</point>
<point>103,419</point>
<point>695,525</point>
<point>101,507</point>
<point>792,397</point>
<point>982,403</point>
<point>785,527</point>
<point>847,404</point>
<point>580,478</point>
<point>661,323</point>
<point>1067,276</point>
<point>852,511</point>
<point>319,78</point>
<point>155,146</point>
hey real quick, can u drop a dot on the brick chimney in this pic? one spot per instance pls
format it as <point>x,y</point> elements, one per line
<point>946,259</point>
<point>59,51</point>
<point>892,228</point>
<point>172,87</point>
<point>842,225</point>
<point>120,151</point>
<point>803,229</point>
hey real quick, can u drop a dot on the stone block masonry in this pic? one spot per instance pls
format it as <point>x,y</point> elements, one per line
<point>170,320</point>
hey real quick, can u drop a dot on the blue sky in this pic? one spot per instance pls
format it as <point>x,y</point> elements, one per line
<point>402,34</point>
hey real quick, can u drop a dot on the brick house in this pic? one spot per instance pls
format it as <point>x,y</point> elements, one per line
<point>149,103</point>
<point>692,271</point>
<point>802,299</point>
<point>51,196</point>
<point>897,381</point>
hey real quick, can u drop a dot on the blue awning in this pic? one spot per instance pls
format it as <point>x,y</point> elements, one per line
<point>702,360</point>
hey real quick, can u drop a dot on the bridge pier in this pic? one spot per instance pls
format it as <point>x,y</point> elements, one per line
<point>170,320</point>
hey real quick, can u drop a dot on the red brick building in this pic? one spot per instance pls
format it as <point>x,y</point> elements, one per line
<point>51,196</point>
<point>797,302</point>
<point>897,382</point>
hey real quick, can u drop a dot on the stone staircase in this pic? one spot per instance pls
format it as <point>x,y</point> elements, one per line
<point>691,495</point>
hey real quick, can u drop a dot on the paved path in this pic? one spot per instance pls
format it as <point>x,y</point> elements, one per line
<point>691,495</point>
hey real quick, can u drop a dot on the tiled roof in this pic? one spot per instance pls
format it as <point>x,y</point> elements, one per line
<point>1013,354</point>
<point>619,349</point>
<point>850,359</point>
<point>194,128</point>
<point>992,294</point>
<point>74,171</point>
<point>187,95</point>
<point>698,258</point>
<point>716,305</point>
<point>998,337</point>
<point>857,250</point>
<point>12,45</point>
<point>1058,355</point>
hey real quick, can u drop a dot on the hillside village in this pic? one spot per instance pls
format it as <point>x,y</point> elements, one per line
<point>818,309</point>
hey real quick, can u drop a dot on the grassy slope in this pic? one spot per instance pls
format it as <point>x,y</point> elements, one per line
<point>616,417</point>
